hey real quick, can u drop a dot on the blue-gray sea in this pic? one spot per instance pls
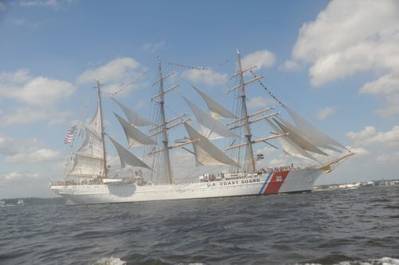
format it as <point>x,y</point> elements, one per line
<point>330,227</point>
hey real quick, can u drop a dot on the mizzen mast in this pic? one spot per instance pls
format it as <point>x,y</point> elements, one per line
<point>249,163</point>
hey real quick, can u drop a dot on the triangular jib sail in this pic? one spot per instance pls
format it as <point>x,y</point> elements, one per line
<point>310,132</point>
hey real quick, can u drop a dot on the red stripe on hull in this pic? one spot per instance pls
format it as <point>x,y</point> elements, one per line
<point>276,182</point>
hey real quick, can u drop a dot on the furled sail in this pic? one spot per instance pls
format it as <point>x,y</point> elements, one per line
<point>132,116</point>
<point>207,153</point>
<point>126,157</point>
<point>318,138</point>
<point>207,121</point>
<point>214,106</point>
<point>296,137</point>
<point>133,135</point>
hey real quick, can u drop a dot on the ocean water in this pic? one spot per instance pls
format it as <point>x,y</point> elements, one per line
<point>333,227</point>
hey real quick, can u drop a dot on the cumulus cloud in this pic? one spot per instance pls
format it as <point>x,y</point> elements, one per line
<point>120,75</point>
<point>387,88</point>
<point>25,150</point>
<point>289,65</point>
<point>43,3</point>
<point>325,113</point>
<point>40,155</point>
<point>27,115</point>
<point>33,90</point>
<point>370,135</point>
<point>36,97</point>
<point>358,151</point>
<point>259,59</point>
<point>153,47</point>
<point>349,37</point>
<point>205,76</point>
<point>259,102</point>
<point>16,175</point>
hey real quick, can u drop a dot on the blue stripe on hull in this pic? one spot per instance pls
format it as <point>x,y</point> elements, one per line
<point>264,184</point>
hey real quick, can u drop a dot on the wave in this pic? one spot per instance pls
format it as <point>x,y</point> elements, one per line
<point>109,261</point>
<point>381,261</point>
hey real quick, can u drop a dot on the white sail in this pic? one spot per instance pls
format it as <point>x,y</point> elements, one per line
<point>289,146</point>
<point>126,157</point>
<point>296,137</point>
<point>318,138</point>
<point>92,144</point>
<point>207,153</point>
<point>132,116</point>
<point>86,166</point>
<point>133,135</point>
<point>214,106</point>
<point>95,123</point>
<point>88,161</point>
<point>207,121</point>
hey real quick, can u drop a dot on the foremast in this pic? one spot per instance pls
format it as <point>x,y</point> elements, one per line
<point>163,128</point>
<point>249,163</point>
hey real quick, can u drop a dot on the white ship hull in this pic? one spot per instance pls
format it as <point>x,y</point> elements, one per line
<point>283,181</point>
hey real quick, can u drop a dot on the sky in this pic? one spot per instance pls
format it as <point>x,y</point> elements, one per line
<point>335,62</point>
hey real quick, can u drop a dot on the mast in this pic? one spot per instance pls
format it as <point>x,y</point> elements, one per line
<point>249,163</point>
<point>98,86</point>
<point>163,127</point>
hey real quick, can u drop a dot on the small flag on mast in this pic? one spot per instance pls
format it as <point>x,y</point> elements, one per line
<point>70,135</point>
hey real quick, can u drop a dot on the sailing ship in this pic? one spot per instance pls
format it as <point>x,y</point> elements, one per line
<point>89,178</point>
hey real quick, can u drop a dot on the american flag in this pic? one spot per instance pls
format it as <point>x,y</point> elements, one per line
<point>70,135</point>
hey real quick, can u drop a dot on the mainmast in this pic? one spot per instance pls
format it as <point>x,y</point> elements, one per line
<point>163,127</point>
<point>249,163</point>
<point>98,86</point>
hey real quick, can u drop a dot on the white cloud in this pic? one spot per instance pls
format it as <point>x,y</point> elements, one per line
<point>391,158</point>
<point>120,75</point>
<point>25,150</point>
<point>40,155</point>
<point>39,90</point>
<point>259,102</point>
<point>259,59</point>
<point>15,175</point>
<point>386,87</point>
<point>29,115</point>
<point>43,3</point>
<point>369,135</point>
<point>349,37</point>
<point>290,65</point>
<point>358,151</point>
<point>205,76</point>
<point>325,113</point>
<point>36,98</point>
<point>153,47</point>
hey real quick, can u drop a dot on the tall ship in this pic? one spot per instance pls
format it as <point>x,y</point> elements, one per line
<point>219,141</point>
